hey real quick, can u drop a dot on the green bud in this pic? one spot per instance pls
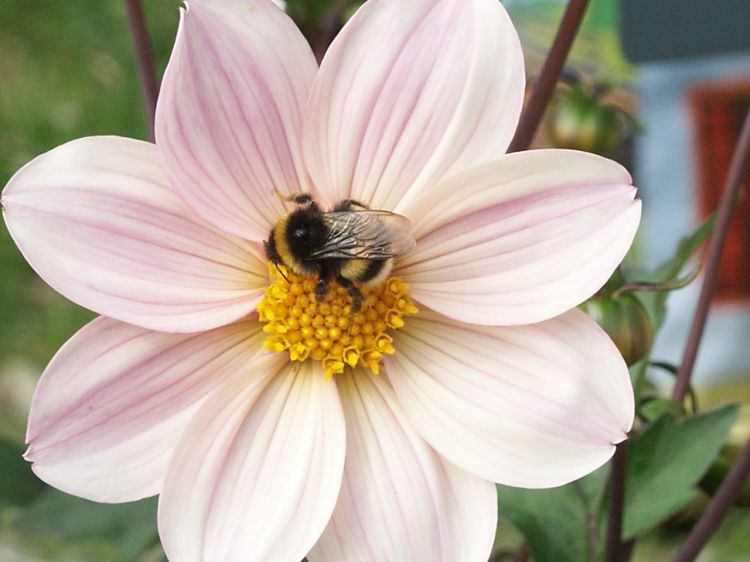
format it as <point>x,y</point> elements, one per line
<point>626,321</point>
<point>579,121</point>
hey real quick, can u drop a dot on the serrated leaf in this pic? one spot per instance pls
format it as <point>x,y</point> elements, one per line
<point>553,521</point>
<point>131,526</point>
<point>665,463</point>
<point>18,485</point>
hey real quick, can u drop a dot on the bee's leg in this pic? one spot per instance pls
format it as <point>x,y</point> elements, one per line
<point>353,291</point>
<point>272,254</point>
<point>324,275</point>
<point>350,205</point>
<point>321,288</point>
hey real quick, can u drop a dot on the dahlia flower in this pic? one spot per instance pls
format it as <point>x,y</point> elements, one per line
<point>309,429</point>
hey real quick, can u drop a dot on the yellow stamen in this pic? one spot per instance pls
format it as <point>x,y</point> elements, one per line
<point>328,330</point>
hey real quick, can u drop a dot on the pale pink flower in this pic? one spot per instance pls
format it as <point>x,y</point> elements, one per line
<point>258,458</point>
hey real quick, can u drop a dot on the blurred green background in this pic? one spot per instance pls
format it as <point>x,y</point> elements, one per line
<point>67,71</point>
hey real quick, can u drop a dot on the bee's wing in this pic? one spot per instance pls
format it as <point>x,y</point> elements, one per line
<point>365,234</point>
<point>399,231</point>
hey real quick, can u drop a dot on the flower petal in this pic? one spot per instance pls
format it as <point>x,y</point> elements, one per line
<point>400,501</point>
<point>97,220</point>
<point>522,239</point>
<point>531,406</point>
<point>408,92</point>
<point>113,402</point>
<point>229,114</point>
<point>257,473</point>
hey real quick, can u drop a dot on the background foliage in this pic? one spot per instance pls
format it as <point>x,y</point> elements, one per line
<point>67,71</point>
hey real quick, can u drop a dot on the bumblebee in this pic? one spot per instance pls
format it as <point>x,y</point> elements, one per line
<point>350,244</point>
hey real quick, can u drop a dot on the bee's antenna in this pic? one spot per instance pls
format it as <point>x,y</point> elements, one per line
<point>281,196</point>
<point>302,199</point>
<point>282,273</point>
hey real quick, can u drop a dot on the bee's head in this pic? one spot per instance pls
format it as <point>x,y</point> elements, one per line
<point>305,233</point>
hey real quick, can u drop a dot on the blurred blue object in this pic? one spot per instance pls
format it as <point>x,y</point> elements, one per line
<point>677,29</point>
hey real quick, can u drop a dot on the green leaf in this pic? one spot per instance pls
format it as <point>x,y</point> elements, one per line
<point>685,249</point>
<point>130,526</point>
<point>665,463</point>
<point>555,522</point>
<point>656,302</point>
<point>18,485</point>
<point>592,488</point>
<point>654,409</point>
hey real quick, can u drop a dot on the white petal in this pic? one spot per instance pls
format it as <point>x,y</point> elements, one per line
<point>532,406</point>
<point>523,238</point>
<point>230,111</point>
<point>400,501</point>
<point>97,219</point>
<point>257,473</point>
<point>411,91</point>
<point>112,403</point>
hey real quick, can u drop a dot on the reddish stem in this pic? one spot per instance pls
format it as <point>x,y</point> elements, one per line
<point>613,548</point>
<point>545,85</point>
<point>717,508</point>
<point>738,170</point>
<point>144,59</point>
<point>522,554</point>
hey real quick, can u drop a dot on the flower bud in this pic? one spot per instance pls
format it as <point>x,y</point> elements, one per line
<point>577,120</point>
<point>626,321</point>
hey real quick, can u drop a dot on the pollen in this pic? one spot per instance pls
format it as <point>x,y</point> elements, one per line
<point>329,330</point>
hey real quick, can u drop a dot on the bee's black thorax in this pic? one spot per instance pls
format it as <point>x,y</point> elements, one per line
<point>306,233</point>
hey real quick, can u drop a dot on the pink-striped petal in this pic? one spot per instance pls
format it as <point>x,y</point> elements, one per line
<point>531,406</point>
<point>399,500</point>
<point>408,92</point>
<point>229,114</point>
<point>257,473</point>
<point>98,221</point>
<point>111,405</point>
<point>522,239</point>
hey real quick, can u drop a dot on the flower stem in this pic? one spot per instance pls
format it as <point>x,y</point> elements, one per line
<point>522,554</point>
<point>592,522</point>
<point>738,170</point>
<point>545,86</point>
<point>717,508</point>
<point>613,548</point>
<point>144,58</point>
<point>321,33</point>
<point>641,286</point>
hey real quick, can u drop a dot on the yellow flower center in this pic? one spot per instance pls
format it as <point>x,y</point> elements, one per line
<point>329,330</point>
